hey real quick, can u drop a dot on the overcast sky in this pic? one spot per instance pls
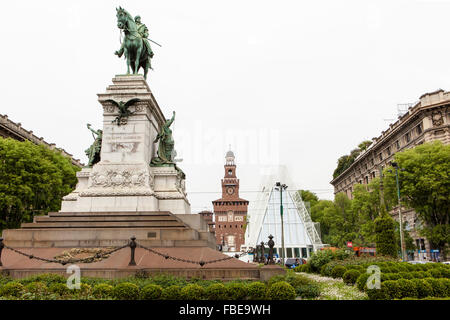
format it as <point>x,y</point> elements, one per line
<point>297,83</point>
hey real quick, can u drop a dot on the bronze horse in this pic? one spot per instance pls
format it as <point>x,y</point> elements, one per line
<point>133,45</point>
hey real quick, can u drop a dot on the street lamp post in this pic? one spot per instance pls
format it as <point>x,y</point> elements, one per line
<point>400,218</point>
<point>281,187</point>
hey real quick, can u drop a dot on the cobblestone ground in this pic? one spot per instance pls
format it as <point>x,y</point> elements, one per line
<point>335,289</point>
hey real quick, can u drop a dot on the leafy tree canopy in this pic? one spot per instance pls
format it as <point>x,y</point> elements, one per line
<point>346,161</point>
<point>33,179</point>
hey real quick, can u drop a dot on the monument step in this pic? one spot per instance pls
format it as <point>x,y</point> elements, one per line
<point>99,224</point>
<point>108,218</point>
<point>109,213</point>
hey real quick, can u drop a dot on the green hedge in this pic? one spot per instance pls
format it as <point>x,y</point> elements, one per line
<point>256,291</point>
<point>151,292</point>
<point>172,292</point>
<point>338,271</point>
<point>216,291</point>
<point>350,276</point>
<point>126,291</point>
<point>281,291</point>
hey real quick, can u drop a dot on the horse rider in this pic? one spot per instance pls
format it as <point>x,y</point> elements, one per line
<point>143,31</point>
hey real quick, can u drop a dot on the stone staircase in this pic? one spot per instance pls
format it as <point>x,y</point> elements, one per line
<point>104,229</point>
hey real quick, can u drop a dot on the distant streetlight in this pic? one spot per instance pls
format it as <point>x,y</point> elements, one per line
<point>281,187</point>
<point>400,218</point>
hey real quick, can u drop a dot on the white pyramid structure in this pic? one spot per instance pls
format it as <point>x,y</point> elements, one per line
<point>301,235</point>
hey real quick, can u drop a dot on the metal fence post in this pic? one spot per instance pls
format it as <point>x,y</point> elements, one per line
<point>133,248</point>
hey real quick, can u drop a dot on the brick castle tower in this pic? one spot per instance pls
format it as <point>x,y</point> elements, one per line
<point>230,211</point>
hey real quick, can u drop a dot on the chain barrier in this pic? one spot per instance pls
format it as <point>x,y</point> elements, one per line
<point>69,261</point>
<point>132,244</point>
<point>200,262</point>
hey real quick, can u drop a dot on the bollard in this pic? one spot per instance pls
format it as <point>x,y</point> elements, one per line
<point>271,244</point>
<point>133,248</point>
<point>2,245</point>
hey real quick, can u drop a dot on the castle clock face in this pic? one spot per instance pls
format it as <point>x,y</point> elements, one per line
<point>230,191</point>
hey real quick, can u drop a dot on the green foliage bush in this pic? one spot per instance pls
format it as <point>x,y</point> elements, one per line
<point>361,281</point>
<point>406,275</point>
<point>12,289</point>
<point>216,291</point>
<point>319,259</point>
<point>407,288</point>
<point>36,288</point>
<point>193,292</point>
<point>151,292</point>
<point>385,235</point>
<point>296,280</point>
<point>308,291</point>
<point>126,291</point>
<point>256,291</point>
<point>281,291</point>
<point>102,291</point>
<point>236,291</point>
<point>435,273</point>
<point>338,271</point>
<point>422,288</point>
<point>172,292</point>
<point>439,289</point>
<point>350,276</point>
<point>47,278</point>
<point>391,289</point>
<point>60,289</point>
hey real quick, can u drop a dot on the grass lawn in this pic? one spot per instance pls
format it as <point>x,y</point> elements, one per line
<point>335,289</point>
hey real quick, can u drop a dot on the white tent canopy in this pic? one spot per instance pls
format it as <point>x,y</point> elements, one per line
<point>300,234</point>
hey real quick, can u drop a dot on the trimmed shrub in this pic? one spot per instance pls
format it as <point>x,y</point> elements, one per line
<point>102,291</point>
<point>236,291</point>
<point>37,288</point>
<point>361,281</point>
<point>193,292</point>
<point>418,274</point>
<point>391,289</point>
<point>394,276</point>
<point>405,275</point>
<point>12,289</point>
<point>438,287</point>
<point>422,287</point>
<point>377,294</point>
<point>126,291</point>
<point>46,278</point>
<point>319,259</point>
<point>338,271</point>
<point>60,289</point>
<point>256,291</point>
<point>407,288</point>
<point>309,291</point>
<point>445,272</point>
<point>216,291</point>
<point>350,277</point>
<point>281,291</point>
<point>307,268</point>
<point>151,292</point>
<point>172,292</point>
<point>446,283</point>
<point>435,273</point>
<point>84,290</point>
<point>385,235</point>
<point>296,280</point>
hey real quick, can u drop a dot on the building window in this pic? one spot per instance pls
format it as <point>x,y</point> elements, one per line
<point>238,218</point>
<point>397,144</point>
<point>419,129</point>
<point>288,252</point>
<point>367,179</point>
<point>371,162</point>
<point>407,137</point>
<point>388,151</point>
<point>380,156</point>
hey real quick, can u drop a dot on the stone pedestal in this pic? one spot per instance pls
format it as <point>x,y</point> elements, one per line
<point>123,180</point>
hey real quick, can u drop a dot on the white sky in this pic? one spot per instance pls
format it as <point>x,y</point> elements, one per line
<point>297,83</point>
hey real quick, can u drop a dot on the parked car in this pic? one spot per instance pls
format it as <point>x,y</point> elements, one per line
<point>294,262</point>
<point>446,262</point>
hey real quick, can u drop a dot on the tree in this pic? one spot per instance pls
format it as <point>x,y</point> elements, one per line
<point>425,187</point>
<point>385,235</point>
<point>33,179</point>
<point>346,161</point>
